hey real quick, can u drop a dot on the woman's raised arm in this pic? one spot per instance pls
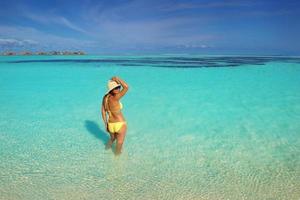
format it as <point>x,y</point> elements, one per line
<point>124,85</point>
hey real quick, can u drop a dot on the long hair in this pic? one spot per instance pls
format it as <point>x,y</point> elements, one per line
<point>105,101</point>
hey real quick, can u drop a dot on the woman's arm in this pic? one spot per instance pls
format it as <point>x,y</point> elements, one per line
<point>124,85</point>
<point>104,116</point>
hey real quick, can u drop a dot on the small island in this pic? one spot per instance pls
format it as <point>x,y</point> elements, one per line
<point>42,53</point>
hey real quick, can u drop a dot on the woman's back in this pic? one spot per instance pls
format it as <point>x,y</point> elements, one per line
<point>113,107</point>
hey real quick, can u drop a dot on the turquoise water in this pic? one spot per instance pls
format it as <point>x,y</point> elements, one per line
<point>198,128</point>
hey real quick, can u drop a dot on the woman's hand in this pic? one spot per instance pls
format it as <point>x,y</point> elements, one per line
<point>114,78</point>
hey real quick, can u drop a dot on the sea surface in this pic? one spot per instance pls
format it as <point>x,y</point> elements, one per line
<point>199,127</point>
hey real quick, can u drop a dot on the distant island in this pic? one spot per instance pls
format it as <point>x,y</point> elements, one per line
<point>28,53</point>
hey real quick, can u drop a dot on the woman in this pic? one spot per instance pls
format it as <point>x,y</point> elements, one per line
<point>116,123</point>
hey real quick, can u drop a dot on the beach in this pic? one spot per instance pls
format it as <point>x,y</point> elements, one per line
<point>199,127</point>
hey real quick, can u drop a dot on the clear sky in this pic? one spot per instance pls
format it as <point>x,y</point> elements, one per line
<point>150,26</point>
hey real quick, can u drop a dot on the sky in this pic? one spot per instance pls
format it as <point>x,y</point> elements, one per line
<point>152,26</point>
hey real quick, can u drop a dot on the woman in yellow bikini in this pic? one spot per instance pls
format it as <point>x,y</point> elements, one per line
<point>116,123</point>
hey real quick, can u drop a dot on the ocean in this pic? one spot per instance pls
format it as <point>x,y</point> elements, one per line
<point>199,127</point>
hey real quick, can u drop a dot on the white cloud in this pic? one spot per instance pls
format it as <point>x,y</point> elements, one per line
<point>107,28</point>
<point>28,36</point>
<point>159,34</point>
<point>16,42</point>
<point>53,19</point>
<point>215,4</point>
<point>194,46</point>
<point>67,23</point>
<point>112,29</point>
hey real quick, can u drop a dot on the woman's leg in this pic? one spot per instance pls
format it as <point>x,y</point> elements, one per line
<point>111,140</point>
<point>120,139</point>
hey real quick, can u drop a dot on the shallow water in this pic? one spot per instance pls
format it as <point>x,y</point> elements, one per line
<point>198,128</point>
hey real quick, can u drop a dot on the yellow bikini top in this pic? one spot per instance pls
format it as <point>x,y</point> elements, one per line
<point>109,111</point>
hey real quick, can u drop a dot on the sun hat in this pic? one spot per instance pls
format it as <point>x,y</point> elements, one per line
<point>112,85</point>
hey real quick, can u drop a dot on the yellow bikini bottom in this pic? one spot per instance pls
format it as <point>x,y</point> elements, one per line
<point>114,127</point>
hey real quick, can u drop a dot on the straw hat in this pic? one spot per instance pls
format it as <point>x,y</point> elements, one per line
<point>111,85</point>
